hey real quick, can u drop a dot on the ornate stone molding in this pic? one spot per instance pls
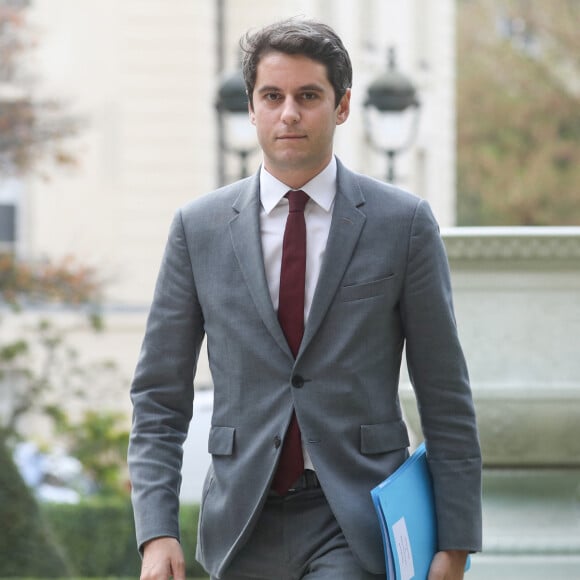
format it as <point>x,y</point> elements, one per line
<point>512,243</point>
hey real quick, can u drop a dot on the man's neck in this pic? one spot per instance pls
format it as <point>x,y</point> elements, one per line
<point>296,179</point>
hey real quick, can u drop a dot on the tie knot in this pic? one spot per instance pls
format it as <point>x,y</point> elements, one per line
<point>297,199</point>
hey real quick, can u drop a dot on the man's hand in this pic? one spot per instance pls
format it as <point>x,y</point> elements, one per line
<point>163,559</point>
<point>448,565</point>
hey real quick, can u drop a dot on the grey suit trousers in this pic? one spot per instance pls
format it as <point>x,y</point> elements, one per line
<point>297,537</point>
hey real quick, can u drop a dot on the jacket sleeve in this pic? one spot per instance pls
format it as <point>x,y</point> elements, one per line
<point>162,392</point>
<point>439,375</point>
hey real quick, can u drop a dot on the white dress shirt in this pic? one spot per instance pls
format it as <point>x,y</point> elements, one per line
<point>317,214</point>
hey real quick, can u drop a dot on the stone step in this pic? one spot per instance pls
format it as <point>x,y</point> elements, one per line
<point>531,511</point>
<point>531,525</point>
<point>484,567</point>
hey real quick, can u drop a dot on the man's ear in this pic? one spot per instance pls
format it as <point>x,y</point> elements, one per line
<point>343,109</point>
<point>251,113</point>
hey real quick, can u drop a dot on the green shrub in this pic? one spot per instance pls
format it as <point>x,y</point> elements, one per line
<point>99,537</point>
<point>188,519</point>
<point>26,546</point>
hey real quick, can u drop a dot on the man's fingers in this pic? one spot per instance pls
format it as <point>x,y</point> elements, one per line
<point>178,568</point>
<point>163,559</point>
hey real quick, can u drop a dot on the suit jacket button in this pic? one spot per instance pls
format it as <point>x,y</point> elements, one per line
<point>297,381</point>
<point>277,442</point>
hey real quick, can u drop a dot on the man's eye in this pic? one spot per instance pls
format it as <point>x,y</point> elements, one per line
<point>309,96</point>
<point>272,96</point>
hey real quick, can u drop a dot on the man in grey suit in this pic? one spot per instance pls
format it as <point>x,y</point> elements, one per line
<point>373,278</point>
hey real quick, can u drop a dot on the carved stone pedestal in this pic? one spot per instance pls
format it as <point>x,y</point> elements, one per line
<point>517,299</point>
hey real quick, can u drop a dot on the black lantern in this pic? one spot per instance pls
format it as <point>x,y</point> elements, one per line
<point>236,134</point>
<point>391,113</point>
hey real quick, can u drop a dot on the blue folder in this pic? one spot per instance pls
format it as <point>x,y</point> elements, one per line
<point>406,509</point>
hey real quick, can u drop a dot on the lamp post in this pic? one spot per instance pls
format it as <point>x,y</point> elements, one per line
<point>391,113</point>
<point>236,134</point>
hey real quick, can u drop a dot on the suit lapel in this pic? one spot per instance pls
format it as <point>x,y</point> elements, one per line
<point>246,240</point>
<point>345,229</point>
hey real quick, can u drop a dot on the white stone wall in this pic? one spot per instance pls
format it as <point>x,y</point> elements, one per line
<point>141,77</point>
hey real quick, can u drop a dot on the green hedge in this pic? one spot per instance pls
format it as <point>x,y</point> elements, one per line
<point>26,545</point>
<point>98,538</point>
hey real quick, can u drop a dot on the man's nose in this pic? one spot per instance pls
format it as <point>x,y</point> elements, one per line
<point>290,112</point>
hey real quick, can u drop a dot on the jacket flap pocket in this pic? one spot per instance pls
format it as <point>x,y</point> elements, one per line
<point>383,437</point>
<point>365,290</point>
<point>221,440</point>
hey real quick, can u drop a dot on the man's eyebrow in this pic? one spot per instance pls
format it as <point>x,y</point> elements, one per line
<point>311,87</point>
<point>273,88</point>
<point>268,89</point>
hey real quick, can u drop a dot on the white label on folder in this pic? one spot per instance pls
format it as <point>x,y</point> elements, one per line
<point>404,551</point>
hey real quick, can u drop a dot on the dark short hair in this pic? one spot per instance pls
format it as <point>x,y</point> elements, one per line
<point>298,36</point>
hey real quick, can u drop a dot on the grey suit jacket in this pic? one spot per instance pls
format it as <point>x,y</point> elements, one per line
<point>384,284</point>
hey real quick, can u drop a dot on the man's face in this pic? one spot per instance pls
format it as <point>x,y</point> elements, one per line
<point>295,116</point>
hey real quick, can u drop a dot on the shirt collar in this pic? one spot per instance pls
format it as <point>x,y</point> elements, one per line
<point>321,188</point>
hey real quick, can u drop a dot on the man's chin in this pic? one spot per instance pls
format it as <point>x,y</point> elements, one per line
<point>293,158</point>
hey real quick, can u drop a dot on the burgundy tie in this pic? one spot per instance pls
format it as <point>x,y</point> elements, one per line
<point>291,317</point>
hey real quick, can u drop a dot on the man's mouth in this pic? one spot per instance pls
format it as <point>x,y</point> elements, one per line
<point>291,137</point>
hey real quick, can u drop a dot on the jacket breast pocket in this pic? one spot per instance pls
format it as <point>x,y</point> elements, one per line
<point>383,437</point>
<point>365,290</point>
<point>221,440</point>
